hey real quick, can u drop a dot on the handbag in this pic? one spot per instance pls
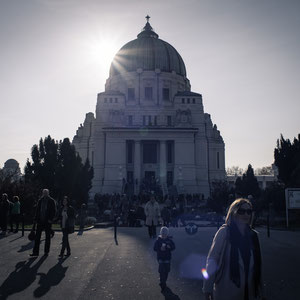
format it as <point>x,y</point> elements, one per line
<point>31,235</point>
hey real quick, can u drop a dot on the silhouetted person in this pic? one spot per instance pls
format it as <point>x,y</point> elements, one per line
<point>163,247</point>
<point>44,215</point>
<point>66,215</point>
<point>166,216</point>
<point>15,214</point>
<point>174,216</point>
<point>4,210</point>
<point>152,213</point>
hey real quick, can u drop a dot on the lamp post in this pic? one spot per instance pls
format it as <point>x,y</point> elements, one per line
<point>268,220</point>
<point>120,178</point>
<point>180,178</point>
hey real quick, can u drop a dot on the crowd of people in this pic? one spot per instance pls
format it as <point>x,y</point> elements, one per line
<point>131,209</point>
<point>234,263</point>
<point>46,212</point>
<point>10,214</point>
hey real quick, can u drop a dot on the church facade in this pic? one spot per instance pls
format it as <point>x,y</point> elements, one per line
<point>149,125</point>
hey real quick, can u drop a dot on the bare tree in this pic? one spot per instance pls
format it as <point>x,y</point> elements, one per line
<point>234,170</point>
<point>268,170</point>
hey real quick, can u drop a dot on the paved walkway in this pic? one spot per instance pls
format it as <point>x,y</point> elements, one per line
<point>101,269</point>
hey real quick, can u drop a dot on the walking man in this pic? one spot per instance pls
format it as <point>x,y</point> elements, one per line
<point>44,215</point>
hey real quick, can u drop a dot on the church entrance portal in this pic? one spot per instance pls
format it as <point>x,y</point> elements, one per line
<point>150,176</point>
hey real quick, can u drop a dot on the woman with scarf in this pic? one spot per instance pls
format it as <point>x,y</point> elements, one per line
<point>233,266</point>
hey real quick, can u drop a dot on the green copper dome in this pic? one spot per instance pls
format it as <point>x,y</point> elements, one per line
<point>147,52</point>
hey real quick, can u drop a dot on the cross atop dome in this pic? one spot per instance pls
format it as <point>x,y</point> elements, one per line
<point>148,30</point>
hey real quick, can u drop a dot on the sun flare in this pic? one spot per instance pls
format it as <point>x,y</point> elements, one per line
<point>102,50</point>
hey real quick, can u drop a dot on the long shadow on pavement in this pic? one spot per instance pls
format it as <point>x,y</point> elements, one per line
<point>53,277</point>
<point>21,278</point>
<point>2,236</point>
<point>169,295</point>
<point>28,246</point>
<point>17,238</point>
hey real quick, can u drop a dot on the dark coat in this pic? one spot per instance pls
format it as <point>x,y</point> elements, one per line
<point>166,214</point>
<point>4,207</point>
<point>50,211</point>
<point>170,246</point>
<point>70,222</point>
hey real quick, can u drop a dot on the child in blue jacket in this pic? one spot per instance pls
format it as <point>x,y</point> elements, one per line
<point>163,246</point>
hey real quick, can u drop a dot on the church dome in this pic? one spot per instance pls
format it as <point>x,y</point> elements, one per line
<point>147,52</point>
<point>11,164</point>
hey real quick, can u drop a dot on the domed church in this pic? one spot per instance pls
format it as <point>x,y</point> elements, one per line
<point>150,129</point>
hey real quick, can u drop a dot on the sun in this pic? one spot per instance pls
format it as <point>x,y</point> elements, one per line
<point>101,50</point>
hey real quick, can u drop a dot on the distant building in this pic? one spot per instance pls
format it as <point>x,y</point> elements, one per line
<point>149,125</point>
<point>264,181</point>
<point>12,168</point>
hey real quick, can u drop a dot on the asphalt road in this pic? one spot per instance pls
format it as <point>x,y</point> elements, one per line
<point>100,268</point>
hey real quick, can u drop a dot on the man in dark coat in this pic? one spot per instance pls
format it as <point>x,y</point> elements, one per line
<point>44,215</point>
<point>4,210</point>
<point>166,216</point>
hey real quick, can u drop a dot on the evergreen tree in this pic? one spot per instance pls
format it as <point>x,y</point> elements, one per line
<point>274,195</point>
<point>59,168</point>
<point>220,196</point>
<point>68,169</point>
<point>84,184</point>
<point>247,184</point>
<point>42,170</point>
<point>287,159</point>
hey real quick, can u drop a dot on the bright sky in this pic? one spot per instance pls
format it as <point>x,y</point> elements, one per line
<point>242,56</point>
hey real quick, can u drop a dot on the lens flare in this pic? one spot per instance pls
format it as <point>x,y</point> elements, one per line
<point>204,273</point>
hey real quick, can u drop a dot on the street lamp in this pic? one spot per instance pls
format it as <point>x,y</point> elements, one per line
<point>121,177</point>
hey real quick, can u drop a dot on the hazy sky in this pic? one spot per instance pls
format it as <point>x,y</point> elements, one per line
<point>243,56</point>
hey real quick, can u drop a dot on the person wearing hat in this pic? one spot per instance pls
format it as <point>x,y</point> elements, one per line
<point>163,246</point>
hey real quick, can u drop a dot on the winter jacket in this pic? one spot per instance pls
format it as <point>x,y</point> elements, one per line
<point>70,222</point>
<point>166,254</point>
<point>152,213</point>
<point>50,211</point>
<point>4,207</point>
<point>219,282</point>
<point>166,214</point>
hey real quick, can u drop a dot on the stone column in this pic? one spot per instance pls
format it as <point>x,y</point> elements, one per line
<point>163,162</point>
<point>137,166</point>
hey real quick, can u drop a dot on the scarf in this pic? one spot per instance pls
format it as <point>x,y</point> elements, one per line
<point>244,244</point>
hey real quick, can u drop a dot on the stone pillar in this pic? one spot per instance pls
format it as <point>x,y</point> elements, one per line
<point>163,162</point>
<point>137,166</point>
